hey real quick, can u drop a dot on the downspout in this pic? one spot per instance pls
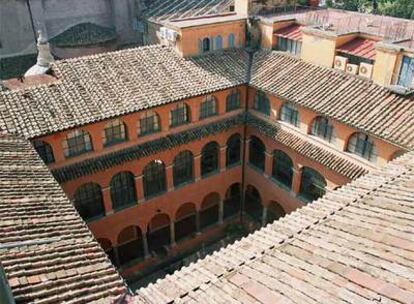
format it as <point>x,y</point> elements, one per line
<point>246,108</point>
<point>31,20</point>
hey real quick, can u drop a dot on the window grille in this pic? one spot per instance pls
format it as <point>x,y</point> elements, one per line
<point>362,145</point>
<point>257,153</point>
<point>208,107</point>
<point>77,142</point>
<point>179,115</point>
<point>88,201</point>
<point>233,101</point>
<point>209,158</point>
<point>114,133</point>
<point>233,150</point>
<point>289,114</point>
<point>312,184</point>
<point>183,168</point>
<point>282,168</point>
<point>149,123</point>
<point>322,128</point>
<point>44,150</point>
<point>262,103</point>
<point>154,178</point>
<point>123,190</point>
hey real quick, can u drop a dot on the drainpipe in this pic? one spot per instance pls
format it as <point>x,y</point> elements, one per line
<point>246,108</point>
<point>31,20</point>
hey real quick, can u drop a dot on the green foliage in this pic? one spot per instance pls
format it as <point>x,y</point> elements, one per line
<point>395,8</point>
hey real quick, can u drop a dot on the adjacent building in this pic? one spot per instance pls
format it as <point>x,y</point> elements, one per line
<point>239,117</point>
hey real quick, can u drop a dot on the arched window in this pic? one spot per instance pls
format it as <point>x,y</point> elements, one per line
<point>218,43</point>
<point>185,221</point>
<point>289,113</point>
<point>362,145</point>
<point>130,245</point>
<point>232,201</point>
<point>179,115</point>
<point>114,133</point>
<point>206,45</point>
<point>208,107</point>
<point>183,168</point>
<point>209,211</point>
<point>262,103</point>
<point>231,41</point>
<point>149,123</point>
<point>88,201</point>
<point>253,203</point>
<point>257,154</point>
<point>209,158</point>
<point>44,150</point>
<point>77,142</point>
<point>274,212</point>
<point>233,150</point>
<point>123,192</point>
<point>312,185</point>
<point>322,127</point>
<point>109,250</point>
<point>282,168</point>
<point>154,178</point>
<point>233,101</point>
<point>159,234</point>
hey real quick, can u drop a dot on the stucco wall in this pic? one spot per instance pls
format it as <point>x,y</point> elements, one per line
<point>188,45</point>
<point>16,33</point>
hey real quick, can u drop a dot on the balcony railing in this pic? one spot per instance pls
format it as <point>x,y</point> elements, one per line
<point>390,29</point>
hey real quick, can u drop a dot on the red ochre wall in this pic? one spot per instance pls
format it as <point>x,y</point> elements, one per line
<point>168,203</point>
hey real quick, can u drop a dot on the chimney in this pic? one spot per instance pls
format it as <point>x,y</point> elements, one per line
<point>243,7</point>
<point>44,57</point>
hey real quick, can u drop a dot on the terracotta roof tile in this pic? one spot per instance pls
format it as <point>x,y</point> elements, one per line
<point>346,98</point>
<point>47,252</point>
<point>102,86</point>
<point>359,47</point>
<point>293,32</point>
<point>330,159</point>
<point>355,247</point>
<point>164,10</point>
<point>134,153</point>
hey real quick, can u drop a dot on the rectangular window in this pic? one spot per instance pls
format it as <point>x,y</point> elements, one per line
<point>406,72</point>
<point>149,125</point>
<point>208,108</point>
<point>233,102</point>
<point>178,116</point>
<point>114,134</point>
<point>288,45</point>
<point>290,115</point>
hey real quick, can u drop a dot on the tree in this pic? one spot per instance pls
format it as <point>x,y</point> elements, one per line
<point>395,8</point>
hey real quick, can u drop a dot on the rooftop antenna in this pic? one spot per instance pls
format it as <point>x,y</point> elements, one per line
<point>44,56</point>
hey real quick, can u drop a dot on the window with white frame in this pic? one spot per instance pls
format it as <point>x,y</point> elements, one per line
<point>149,123</point>
<point>208,107</point>
<point>289,113</point>
<point>114,133</point>
<point>77,142</point>
<point>288,45</point>
<point>179,115</point>
<point>362,145</point>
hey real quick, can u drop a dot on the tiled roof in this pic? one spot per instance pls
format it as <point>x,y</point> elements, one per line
<point>331,160</point>
<point>83,34</point>
<point>354,245</point>
<point>359,47</point>
<point>346,98</point>
<point>170,141</point>
<point>293,32</point>
<point>47,252</point>
<point>320,154</point>
<point>164,10</point>
<point>102,86</point>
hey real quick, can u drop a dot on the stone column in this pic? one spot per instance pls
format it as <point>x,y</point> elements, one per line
<point>246,157</point>
<point>172,234</point>
<point>145,245</point>
<point>197,167</point>
<point>107,201</point>
<point>170,177</point>
<point>297,175</point>
<point>222,161</point>
<point>139,186</point>
<point>264,216</point>
<point>268,164</point>
<point>221,212</point>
